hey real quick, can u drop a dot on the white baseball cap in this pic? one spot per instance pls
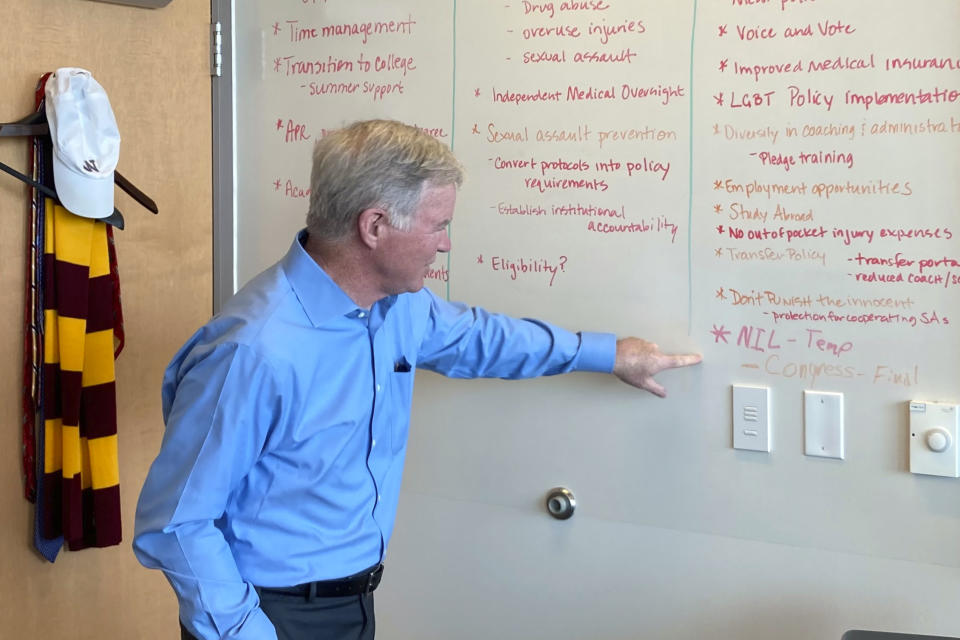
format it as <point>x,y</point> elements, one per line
<point>86,142</point>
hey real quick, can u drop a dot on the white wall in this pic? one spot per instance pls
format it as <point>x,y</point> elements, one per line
<point>678,535</point>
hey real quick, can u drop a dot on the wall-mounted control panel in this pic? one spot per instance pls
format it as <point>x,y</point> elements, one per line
<point>933,439</point>
<point>751,418</point>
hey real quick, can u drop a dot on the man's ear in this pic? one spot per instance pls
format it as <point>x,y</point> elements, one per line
<point>371,224</point>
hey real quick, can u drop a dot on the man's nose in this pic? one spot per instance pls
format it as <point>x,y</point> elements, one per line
<point>444,245</point>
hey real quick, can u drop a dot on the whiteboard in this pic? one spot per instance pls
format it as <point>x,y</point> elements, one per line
<point>771,183</point>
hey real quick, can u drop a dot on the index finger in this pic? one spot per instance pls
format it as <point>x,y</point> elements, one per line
<point>681,360</point>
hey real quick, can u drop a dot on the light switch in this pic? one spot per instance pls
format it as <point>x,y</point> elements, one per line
<point>751,418</point>
<point>933,439</point>
<point>823,424</point>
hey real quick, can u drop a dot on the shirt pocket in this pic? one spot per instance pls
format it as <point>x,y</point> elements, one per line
<point>401,397</point>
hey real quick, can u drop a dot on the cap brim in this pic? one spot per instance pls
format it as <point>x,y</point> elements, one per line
<point>83,195</point>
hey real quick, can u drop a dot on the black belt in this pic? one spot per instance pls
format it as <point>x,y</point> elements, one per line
<point>363,582</point>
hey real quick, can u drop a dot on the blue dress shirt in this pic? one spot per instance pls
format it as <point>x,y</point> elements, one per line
<point>286,429</point>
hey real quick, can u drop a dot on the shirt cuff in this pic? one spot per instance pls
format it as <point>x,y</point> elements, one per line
<point>598,352</point>
<point>258,626</point>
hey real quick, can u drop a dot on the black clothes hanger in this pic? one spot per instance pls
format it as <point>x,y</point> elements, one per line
<point>115,219</point>
<point>35,124</point>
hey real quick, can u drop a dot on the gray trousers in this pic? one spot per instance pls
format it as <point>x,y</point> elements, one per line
<point>297,617</point>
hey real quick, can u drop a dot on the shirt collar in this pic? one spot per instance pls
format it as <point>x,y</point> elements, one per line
<point>320,297</point>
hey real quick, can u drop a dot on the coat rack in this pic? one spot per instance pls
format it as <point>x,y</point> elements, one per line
<point>36,125</point>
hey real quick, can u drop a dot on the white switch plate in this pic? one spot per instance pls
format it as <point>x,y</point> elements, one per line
<point>823,424</point>
<point>933,439</point>
<point>751,418</point>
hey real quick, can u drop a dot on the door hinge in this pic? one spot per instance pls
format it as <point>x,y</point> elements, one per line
<point>216,50</point>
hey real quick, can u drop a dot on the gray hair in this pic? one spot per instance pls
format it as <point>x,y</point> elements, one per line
<point>375,163</point>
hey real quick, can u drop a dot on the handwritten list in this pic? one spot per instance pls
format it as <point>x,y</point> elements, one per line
<point>321,64</point>
<point>827,240</point>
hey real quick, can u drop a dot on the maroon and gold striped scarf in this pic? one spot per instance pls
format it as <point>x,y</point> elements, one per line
<point>80,470</point>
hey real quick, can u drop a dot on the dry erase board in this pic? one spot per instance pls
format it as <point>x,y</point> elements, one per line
<point>773,183</point>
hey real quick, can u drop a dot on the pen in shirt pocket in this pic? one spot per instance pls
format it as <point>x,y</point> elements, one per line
<point>401,365</point>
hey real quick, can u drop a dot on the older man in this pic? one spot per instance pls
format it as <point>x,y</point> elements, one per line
<point>272,500</point>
